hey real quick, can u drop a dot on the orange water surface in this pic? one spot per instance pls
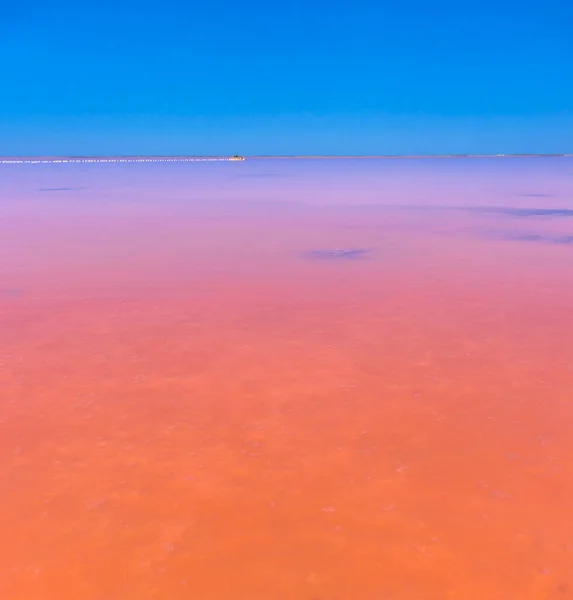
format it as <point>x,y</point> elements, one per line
<point>202,398</point>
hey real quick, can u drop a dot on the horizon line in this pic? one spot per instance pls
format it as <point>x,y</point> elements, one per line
<point>297,156</point>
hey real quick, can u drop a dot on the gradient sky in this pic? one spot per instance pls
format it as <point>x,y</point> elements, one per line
<point>310,77</point>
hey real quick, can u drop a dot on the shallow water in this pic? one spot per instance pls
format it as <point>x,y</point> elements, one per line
<point>314,380</point>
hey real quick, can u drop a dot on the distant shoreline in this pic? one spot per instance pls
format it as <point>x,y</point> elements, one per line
<point>153,159</point>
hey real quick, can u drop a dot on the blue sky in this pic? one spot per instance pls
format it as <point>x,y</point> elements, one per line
<point>281,78</point>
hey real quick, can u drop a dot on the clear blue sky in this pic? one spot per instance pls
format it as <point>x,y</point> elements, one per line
<point>301,76</point>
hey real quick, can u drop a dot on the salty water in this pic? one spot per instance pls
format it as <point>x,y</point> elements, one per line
<point>287,380</point>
